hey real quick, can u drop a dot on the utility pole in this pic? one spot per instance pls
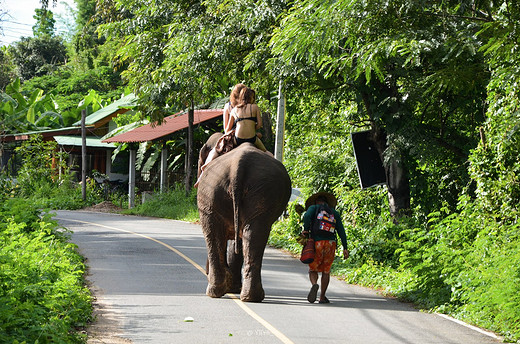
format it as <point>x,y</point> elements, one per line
<point>83,156</point>
<point>189,149</point>
<point>280,124</point>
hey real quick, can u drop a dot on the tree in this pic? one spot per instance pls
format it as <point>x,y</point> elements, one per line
<point>38,56</point>
<point>44,23</point>
<point>192,50</point>
<point>87,43</point>
<point>21,113</point>
<point>7,68</point>
<point>494,166</point>
<point>41,163</point>
<point>402,64</point>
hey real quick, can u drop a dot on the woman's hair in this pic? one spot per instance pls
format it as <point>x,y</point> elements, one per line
<point>233,98</point>
<point>247,96</point>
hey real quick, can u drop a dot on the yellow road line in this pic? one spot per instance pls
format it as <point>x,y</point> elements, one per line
<point>261,320</point>
<point>242,305</point>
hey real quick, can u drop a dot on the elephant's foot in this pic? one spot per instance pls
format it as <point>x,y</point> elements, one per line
<point>219,289</point>
<point>216,290</point>
<point>252,292</point>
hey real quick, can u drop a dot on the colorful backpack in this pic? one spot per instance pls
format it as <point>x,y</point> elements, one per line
<point>324,223</point>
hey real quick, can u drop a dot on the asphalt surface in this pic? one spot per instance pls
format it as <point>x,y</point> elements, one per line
<point>148,279</point>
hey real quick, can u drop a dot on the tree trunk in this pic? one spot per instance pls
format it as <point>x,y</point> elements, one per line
<point>396,177</point>
<point>381,111</point>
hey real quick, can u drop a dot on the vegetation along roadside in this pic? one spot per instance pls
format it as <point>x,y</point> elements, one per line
<point>435,84</point>
<point>43,297</point>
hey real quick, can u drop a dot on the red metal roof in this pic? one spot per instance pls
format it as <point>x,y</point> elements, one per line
<point>170,125</point>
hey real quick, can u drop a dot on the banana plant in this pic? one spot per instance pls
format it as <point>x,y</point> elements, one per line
<point>21,113</point>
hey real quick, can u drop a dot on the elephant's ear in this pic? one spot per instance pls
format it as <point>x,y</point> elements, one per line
<point>203,154</point>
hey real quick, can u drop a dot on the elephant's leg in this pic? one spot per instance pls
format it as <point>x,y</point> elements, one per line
<point>219,276</point>
<point>254,241</point>
<point>235,262</point>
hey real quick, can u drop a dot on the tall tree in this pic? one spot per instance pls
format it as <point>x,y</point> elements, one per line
<point>495,167</point>
<point>44,23</point>
<point>197,50</point>
<point>38,56</point>
<point>87,42</point>
<point>414,69</point>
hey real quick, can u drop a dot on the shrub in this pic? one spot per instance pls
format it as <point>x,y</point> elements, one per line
<point>42,297</point>
<point>171,205</point>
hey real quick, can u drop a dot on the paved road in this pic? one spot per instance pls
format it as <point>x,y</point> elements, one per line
<point>149,282</point>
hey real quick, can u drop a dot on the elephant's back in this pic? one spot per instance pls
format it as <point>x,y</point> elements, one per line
<point>248,168</point>
<point>260,174</point>
<point>253,181</point>
<point>251,161</point>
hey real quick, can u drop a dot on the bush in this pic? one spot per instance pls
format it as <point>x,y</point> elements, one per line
<point>285,234</point>
<point>468,264</point>
<point>39,180</point>
<point>19,210</point>
<point>42,297</point>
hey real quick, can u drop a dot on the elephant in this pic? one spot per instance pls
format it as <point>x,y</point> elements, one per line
<point>239,196</point>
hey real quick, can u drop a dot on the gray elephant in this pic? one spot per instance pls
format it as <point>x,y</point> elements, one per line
<point>240,195</point>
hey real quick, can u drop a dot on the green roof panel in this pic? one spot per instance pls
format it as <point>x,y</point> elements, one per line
<point>128,101</point>
<point>92,142</point>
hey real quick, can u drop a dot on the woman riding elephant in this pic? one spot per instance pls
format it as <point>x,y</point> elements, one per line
<point>239,197</point>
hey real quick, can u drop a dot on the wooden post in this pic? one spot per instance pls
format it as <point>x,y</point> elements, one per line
<point>83,156</point>
<point>164,168</point>
<point>60,163</point>
<point>131,178</point>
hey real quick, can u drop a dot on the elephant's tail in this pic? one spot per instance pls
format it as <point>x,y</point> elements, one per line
<point>236,221</point>
<point>237,200</point>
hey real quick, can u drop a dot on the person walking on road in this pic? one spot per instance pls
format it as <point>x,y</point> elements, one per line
<point>321,221</point>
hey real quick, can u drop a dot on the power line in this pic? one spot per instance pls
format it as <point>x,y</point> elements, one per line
<point>13,22</point>
<point>16,30</point>
<point>10,36</point>
<point>29,31</point>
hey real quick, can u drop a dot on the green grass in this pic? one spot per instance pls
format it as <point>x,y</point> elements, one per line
<point>172,204</point>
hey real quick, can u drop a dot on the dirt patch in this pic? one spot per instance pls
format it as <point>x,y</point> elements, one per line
<point>105,207</point>
<point>105,328</point>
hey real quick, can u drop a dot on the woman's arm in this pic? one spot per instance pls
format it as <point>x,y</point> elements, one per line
<point>230,122</point>
<point>258,114</point>
<point>227,125</point>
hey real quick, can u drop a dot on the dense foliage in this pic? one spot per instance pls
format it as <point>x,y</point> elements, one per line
<point>45,179</point>
<point>436,83</point>
<point>42,293</point>
<point>38,56</point>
